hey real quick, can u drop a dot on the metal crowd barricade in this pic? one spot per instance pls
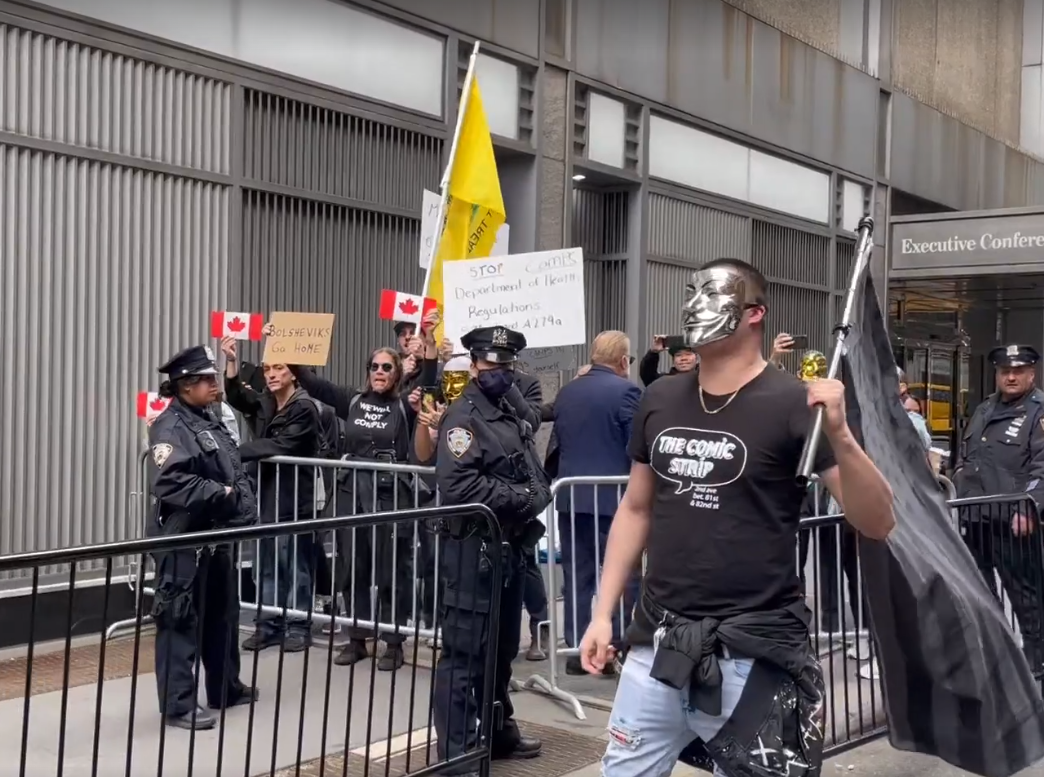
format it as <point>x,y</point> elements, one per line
<point>335,479</point>
<point>309,713</point>
<point>1005,538</point>
<point>383,580</point>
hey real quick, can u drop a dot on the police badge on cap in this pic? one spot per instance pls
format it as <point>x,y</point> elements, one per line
<point>1014,356</point>
<point>496,344</point>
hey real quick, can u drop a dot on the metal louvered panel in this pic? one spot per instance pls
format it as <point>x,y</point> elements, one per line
<point>694,233</point>
<point>788,254</point>
<point>843,264</point>
<point>664,298</point>
<point>604,281</point>
<point>600,221</point>
<point>600,227</point>
<point>106,271</point>
<point>799,312</point>
<point>320,150</point>
<point>315,257</point>
<point>83,96</point>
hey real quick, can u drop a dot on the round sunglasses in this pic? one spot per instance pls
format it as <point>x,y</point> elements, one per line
<point>381,367</point>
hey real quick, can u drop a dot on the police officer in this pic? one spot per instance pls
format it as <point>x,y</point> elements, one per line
<point>485,455</point>
<point>198,483</point>
<point>1002,452</point>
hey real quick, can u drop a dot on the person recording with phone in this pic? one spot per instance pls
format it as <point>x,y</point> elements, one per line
<point>683,358</point>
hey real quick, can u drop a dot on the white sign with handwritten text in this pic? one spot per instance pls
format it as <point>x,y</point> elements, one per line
<point>541,361</point>
<point>430,225</point>
<point>540,295</point>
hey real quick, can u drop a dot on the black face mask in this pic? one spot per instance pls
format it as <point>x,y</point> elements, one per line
<point>495,383</point>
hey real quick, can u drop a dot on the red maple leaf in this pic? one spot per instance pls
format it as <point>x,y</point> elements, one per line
<point>236,325</point>
<point>158,404</point>
<point>409,307</point>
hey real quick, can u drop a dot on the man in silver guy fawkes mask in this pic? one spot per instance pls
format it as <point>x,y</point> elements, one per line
<point>715,300</point>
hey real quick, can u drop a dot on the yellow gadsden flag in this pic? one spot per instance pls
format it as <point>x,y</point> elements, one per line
<point>475,206</point>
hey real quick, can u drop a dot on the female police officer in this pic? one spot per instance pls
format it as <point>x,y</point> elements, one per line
<point>485,455</point>
<point>198,483</point>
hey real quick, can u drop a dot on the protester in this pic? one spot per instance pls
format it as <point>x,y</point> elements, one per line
<point>425,439</point>
<point>712,499</point>
<point>592,417</point>
<point>913,411</point>
<point>683,359</point>
<point>198,483</point>
<point>287,424</point>
<point>379,429</point>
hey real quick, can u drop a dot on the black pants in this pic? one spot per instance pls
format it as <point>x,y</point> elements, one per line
<point>466,620</point>
<point>535,594</point>
<point>196,611</point>
<point>375,567</point>
<point>1018,562</point>
<point>834,542</point>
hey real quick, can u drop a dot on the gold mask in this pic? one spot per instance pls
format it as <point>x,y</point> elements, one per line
<point>453,383</point>
<point>813,366</point>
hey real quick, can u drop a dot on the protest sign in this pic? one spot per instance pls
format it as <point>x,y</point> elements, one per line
<point>299,338</point>
<point>429,226</point>
<point>539,361</point>
<point>540,295</point>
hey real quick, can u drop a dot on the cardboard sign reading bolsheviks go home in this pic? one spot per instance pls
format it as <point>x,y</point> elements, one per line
<point>299,338</point>
<point>540,295</point>
<point>429,226</point>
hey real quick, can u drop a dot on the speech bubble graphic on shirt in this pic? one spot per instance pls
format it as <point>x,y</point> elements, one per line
<point>697,458</point>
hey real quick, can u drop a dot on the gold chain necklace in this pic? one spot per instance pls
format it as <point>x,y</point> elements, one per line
<point>703,404</point>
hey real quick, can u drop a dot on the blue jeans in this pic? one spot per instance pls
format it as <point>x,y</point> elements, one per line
<point>583,542</point>
<point>288,561</point>
<point>651,723</point>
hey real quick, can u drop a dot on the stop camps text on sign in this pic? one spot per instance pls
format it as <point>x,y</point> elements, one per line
<point>540,295</point>
<point>300,338</point>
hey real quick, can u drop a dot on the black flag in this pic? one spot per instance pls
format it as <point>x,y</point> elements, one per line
<point>956,684</point>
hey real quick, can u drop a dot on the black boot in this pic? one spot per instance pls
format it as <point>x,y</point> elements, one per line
<point>537,644</point>
<point>392,659</point>
<point>352,653</point>
<point>200,720</point>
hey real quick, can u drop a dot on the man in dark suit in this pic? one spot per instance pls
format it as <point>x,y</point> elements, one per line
<point>593,426</point>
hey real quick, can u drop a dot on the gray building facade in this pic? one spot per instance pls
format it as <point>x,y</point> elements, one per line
<point>162,160</point>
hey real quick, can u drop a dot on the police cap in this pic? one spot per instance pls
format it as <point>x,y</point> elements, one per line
<point>197,360</point>
<point>1014,356</point>
<point>496,344</point>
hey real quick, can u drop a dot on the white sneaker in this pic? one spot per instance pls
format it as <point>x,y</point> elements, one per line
<point>859,649</point>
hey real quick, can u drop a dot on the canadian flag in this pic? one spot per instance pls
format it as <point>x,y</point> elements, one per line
<point>241,326</point>
<point>151,404</point>
<point>399,306</point>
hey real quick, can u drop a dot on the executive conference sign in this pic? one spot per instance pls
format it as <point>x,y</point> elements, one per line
<point>972,245</point>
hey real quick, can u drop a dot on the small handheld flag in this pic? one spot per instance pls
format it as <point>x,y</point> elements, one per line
<point>399,306</point>
<point>151,404</point>
<point>241,326</point>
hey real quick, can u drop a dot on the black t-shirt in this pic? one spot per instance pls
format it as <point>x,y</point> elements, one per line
<point>374,426</point>
<point>726,507</point>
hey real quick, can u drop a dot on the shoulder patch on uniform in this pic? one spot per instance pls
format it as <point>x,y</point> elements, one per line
<point>161,452</point>
<point>459,440</point>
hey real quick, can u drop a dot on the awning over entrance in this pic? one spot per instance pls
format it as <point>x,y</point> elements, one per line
<point>986,242</point>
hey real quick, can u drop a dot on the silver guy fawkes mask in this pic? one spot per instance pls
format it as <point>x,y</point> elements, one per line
<point>714,303</point>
